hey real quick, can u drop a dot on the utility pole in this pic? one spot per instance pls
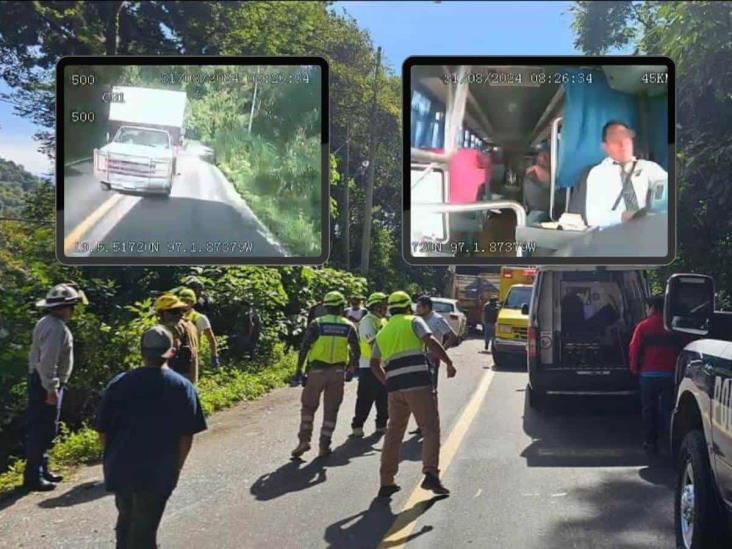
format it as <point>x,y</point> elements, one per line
<point>366,242</point>
<point>346,207</point>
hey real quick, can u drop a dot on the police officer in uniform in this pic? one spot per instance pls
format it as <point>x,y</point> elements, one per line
<point>170,311</point>
<point>370,390</point>
<point>330,345</point>
<point>50,363</point>
<point>400,345</point>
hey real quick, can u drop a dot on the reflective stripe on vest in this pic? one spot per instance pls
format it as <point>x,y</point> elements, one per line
<point>331,347</point>
<point>403,355</point>
<point>377,324</point>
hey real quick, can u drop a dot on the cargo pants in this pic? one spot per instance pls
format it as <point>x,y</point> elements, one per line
<point>421,402</point>
<point>329,381</point>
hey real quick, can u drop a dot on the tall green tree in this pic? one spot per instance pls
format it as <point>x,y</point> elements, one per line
<point>697,36</point>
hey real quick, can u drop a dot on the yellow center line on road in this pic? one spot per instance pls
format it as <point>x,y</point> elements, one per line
<point>406,521</point>
<point>73,238</point>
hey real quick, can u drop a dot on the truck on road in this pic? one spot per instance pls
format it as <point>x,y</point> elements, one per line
<point>146,127</point>
<point>512,323</point>
<point>701,422</point>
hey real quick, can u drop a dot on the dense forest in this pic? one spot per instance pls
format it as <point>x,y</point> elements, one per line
<point>34,35</point>
<point>15,183</point>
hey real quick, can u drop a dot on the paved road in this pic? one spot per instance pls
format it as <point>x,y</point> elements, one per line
<point>203,217</point>
<point>571,478</point>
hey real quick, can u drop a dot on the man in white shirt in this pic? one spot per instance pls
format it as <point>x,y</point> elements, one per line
<point>355,312</point>
<point>618,186</point>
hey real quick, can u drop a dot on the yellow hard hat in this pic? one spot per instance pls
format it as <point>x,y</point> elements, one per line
<point>374,298</point>
<point>167,302</point>
<point>334,299</point>
<point>398,300</point>
<point>186,294</point>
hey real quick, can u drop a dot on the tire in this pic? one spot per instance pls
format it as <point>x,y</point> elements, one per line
<point>105,186</point>
<point>537,401</point>
<point>497,360</point>
<point>697,513</point>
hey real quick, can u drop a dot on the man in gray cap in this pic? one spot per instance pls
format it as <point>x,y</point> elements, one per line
<point>49,368</point>
<point>146,421</point>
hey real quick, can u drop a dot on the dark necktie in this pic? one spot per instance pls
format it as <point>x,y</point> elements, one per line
<point>629,197</point>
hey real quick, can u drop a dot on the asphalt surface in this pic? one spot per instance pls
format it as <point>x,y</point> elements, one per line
<point>203,217</point>
<point>570,477</point>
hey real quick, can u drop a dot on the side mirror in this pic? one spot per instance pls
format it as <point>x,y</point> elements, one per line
<point>525,309</point>
<point>689,304</point>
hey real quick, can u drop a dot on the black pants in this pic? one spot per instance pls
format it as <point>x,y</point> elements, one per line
<point>656,402</point>
<point>370,391</point>
<point>41,428</point>
<point>138,519</point>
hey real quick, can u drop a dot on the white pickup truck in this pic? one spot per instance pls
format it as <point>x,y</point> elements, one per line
<point>147,127</point>
<point>137,159</point>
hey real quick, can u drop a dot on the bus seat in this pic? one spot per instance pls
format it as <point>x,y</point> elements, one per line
<point>468,169</point>
<point>577,196</point>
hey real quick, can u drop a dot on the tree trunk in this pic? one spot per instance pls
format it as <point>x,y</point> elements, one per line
<point>346,206</point>
<point>111,35</point>
<point>366,239</point>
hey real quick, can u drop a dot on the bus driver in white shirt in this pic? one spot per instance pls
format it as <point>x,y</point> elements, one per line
<point>608,202</point>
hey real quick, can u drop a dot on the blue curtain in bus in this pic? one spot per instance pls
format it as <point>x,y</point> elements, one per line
<point>587,108</point>
<point>658,125</point>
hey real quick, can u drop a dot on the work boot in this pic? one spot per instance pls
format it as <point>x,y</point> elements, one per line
<point>301,449</point>
<point>325,451</point>
<point>433,483</point>
<point>38,485</point>
<point>52,477</point>
<point>357,432</point>
<point>389,490</point>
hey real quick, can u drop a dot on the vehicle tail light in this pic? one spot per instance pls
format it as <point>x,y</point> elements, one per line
<point>454,315</point>
<point>100,160</point>
<point>531,334</point>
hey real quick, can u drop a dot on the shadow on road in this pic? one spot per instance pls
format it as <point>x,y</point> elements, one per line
<point>368,528</point>
<point>10,498</point>
<point>618,513</point>
<point>296,475</point>
<point>584,432</point>
<point>83,493</point>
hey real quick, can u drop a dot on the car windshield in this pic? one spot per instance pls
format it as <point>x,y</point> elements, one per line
<point>141,136</point>
<point>442,307</point>
<point>517,297</point>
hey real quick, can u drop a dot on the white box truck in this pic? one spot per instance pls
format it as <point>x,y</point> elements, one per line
<point>147,126</point>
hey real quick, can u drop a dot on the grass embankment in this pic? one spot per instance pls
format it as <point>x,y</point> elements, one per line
<point>282,189</point>
<point>217,389</point>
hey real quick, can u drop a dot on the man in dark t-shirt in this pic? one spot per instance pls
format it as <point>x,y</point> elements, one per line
<point>147,420</point>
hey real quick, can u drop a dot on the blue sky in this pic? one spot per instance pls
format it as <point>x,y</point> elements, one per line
<point>401,29</point>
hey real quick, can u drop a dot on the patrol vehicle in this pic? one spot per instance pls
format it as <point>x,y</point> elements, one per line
<point>701,424</point>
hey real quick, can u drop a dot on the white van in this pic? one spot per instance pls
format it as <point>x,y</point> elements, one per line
<point>581,320</point>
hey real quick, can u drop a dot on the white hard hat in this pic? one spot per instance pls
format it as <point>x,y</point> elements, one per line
<point>60,295</point>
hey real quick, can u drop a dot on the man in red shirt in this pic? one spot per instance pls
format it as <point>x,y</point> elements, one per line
<point>653,353</point>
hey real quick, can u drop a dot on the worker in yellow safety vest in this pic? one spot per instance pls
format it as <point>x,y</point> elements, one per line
<point>330,345</point>
<point>201,322</point>
<point>370,390</point>
<point>400,345</point>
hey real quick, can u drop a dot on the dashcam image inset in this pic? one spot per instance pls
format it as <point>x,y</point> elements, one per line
<point>192,163</point>
<point>557,163</point>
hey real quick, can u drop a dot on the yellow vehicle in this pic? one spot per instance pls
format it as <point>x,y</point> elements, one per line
<point>509,344</point>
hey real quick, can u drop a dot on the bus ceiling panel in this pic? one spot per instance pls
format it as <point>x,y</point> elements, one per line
<point>514,112</point>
